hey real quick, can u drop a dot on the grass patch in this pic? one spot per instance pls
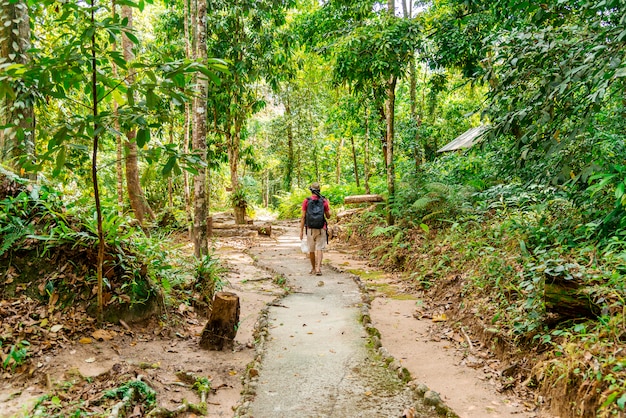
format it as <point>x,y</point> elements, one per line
<point>368,274</point>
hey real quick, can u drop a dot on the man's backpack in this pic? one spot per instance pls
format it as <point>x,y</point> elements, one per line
<point>315,213</point>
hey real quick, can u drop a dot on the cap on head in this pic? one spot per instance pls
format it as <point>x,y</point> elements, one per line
<point>315,186</point>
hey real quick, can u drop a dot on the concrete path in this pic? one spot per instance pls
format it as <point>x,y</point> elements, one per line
<point>316,360</point>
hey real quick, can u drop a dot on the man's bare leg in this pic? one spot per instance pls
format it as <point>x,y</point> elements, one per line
<point>318,258</point>
<point>312,258</point>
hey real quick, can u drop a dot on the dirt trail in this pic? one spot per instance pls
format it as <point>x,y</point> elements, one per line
<point>316,345</point>
<point>316,362</point>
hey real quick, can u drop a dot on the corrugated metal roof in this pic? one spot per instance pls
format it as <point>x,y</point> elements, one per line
<point>465,140</point>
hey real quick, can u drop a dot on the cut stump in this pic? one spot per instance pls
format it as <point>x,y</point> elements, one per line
<point>220,331</point>
<point>570,299</point>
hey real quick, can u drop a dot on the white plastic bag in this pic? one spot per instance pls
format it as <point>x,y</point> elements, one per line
<point>304,246</point>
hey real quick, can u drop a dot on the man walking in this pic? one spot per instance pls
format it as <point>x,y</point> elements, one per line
<point>315,211</point>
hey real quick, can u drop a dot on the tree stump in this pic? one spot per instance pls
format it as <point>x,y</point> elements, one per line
<point>221,328</point>
<point>240,215</point>
<point>570,299</point>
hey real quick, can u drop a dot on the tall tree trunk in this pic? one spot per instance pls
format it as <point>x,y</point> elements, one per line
<point>170,197</point>
<point>407,11</point>
<point>186,137</point>
<point>290,154</point>
<point>234,141</point>
<point>200,230</point>
<point>17,141</point>
<point>119,145</point>
<point>338,162</point>
<point>266,195</point>
<point>383,137</point>
<point>137,199</point>
<point>354,162</point>
<point>366,156</point>
<point>316,162</point>
<point>237,115</point>
<point>417,117</point>
<point>391,174</point>
<point>94,166</point>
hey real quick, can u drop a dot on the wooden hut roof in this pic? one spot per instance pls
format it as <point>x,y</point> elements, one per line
<point>466,140</point>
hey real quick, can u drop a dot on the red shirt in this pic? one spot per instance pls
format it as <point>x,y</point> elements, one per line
<point>306,202</point>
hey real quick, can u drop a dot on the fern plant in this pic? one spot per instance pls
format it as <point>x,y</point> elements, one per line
<point>438,201</point>
<point>11,234</point>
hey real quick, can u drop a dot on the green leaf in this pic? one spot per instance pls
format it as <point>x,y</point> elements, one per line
<point>214,78</point>
<point>132,37</point>
<point>60,162</point>
<point>130,96</point>
<point>619,190</point>
<point>152,100</point>
<point>606,179</point>
<point>522,246</point>
<point>167,168</point>
<point>143,136</point>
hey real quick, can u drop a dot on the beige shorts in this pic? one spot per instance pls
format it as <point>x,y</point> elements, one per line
<point>316,239</point>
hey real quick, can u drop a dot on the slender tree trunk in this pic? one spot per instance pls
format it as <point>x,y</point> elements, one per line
<point>94,165</point>
<point>316,163</point>
<point>119,145</point>
<point>233,138</point>
<point>417,118</point>
<point>383,139</point>
<point>137,199</point>
<point>119,162</point>
<point>186,137</point>
<point>290,154</point>
<point>200,230</point>
<point>408,11</point>
<point>17,141</point>
<point>338,162</point>
<point>170,191</point>
<point>391,175</point>
<point>366,156</point>
<point>234,141</point>
<point>266,199</point>
<point>354,161</point>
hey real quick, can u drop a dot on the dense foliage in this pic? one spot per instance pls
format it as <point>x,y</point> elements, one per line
<point>360,97</point>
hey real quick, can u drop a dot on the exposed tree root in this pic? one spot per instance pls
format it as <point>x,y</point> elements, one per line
<point>161,412</point>
<point>129,395</point>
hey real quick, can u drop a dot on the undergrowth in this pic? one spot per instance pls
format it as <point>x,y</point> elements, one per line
<point>61,236</point>
<point>506,249</point>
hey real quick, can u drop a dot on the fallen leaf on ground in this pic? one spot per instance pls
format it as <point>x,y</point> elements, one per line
<point>101,334</point>
<point>440,318</point>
